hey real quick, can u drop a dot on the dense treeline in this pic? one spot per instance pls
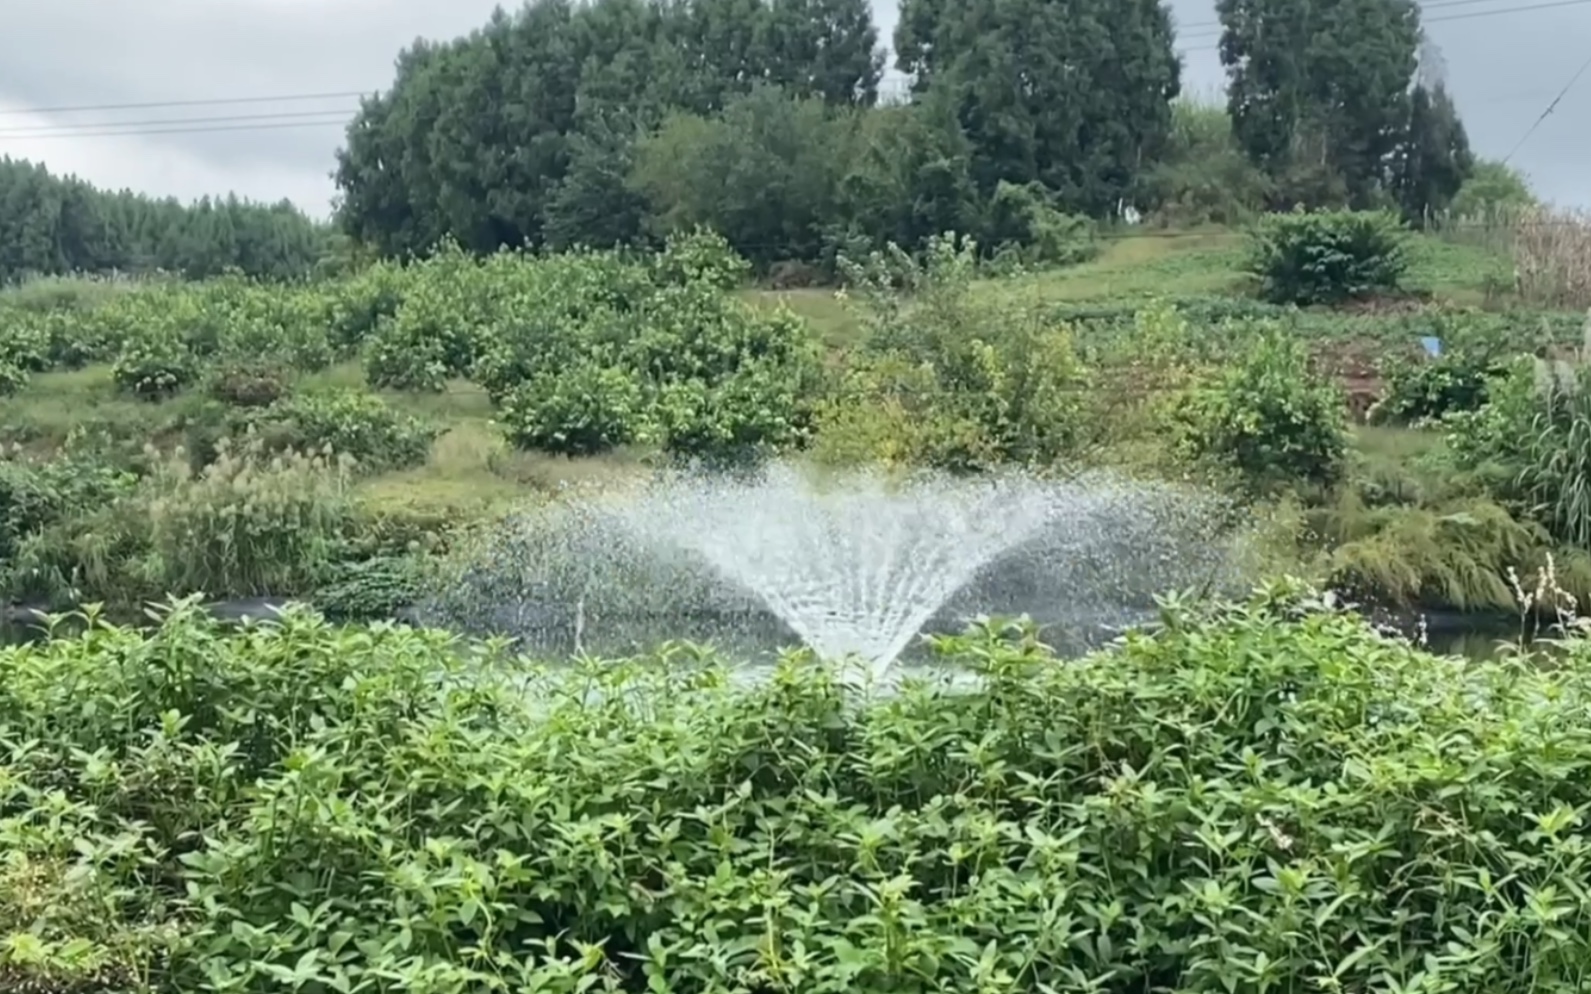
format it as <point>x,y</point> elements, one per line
<point>609,122</point>
<point>621,121</point>
<point>55,225</point>
<point>1326,99</point>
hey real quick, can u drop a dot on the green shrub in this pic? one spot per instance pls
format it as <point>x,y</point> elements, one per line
<point>155,366</point>
<point>950,377</point>
<point>350,423</point>
<point>24,342</point>
<point>78,338</point>
<point>1260,798</point>
<point>1423,388</point>
<point>1026,228</point>
<point>436,333</point>
<point>12,379</point>
<point>1554,455</point>
<point>371,589</point>
<point>35,494</point>
<point>700,257</point>
<point>1530,445</point>
<point>361,304</point>
<point>1327,257</point>
<point>724,380</point>
<point>1268,418</point>
<point>583,410</point>
<point>241,382</point>
<point>58,522</point>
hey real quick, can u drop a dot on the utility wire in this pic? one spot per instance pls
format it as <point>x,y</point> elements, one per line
<point>1201,26</point>
<point>309,119</point>
<point>183,125</point>
<point>327,118</point>
<point>219,102</point>
<point>136,133</point>
<point>1453,17</point>
<point>46,130</point>
<point>1550,108</point>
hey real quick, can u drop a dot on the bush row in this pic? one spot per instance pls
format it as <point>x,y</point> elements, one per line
<point>1259,797</point>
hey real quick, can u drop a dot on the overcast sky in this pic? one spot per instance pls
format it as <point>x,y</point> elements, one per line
<point>1503,69</point>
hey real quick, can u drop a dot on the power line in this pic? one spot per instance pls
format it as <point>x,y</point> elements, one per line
<point>47,130</point>
<point>1548,112</point>
<point>1202,26</point>
<point>136,133</point>
<point>301,119</point>
<point>1457,17</point>
<point>216,102</point>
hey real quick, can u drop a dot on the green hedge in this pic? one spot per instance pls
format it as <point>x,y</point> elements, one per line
<point>1262,800</point>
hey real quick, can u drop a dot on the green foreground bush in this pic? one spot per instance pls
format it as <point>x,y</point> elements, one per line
<point>1328,257</point>
<point>1263,798</point>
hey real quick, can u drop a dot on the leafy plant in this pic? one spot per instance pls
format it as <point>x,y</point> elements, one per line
<point>249,523</point>
<point>155,366</point>
<point>360,305</point>
<point>1268,418</point>
<point>969,382</point>
<point>257,382</point>
<point>354,424</point>
<point>434,334</point>
<point>581,410</point>
<point>1418,390</point>
<point>35,494</point>
<point>1327,257</point>
<point>370,589</point>
<point>12,379</point>
<point>24,342</point>
<point>1028,832</point>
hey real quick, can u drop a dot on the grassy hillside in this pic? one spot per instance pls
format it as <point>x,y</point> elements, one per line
<point>1170,264</point>
<point>1390,517</point>
<point>471,468</point>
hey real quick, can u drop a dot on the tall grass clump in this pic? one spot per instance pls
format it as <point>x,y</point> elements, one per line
<point>1264,796</point>
<point>1552,256</point>
<point>248,523</point>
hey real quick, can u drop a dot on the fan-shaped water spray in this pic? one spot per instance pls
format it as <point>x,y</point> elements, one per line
<point>858,567</point>
<point>855,566</point>
<point>855,570</point>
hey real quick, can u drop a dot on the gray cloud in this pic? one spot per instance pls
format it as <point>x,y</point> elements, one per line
<point>1503,70</point>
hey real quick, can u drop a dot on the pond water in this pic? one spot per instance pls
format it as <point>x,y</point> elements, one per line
<point>756,640</point>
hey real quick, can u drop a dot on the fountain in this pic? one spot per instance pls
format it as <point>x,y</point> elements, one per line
<point>857,569</point>
<point>854,568</point>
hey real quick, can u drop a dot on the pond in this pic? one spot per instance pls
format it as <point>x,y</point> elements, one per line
<point>1470,636</point>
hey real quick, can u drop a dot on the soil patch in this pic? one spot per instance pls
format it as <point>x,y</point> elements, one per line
<point>1354,364</point>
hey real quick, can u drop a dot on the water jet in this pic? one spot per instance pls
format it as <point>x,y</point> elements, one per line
<point>855,566</point>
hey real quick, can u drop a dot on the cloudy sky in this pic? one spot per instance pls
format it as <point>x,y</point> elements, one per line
<point>1505,61</point>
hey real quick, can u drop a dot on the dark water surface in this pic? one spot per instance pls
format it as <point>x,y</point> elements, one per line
<point>1468,636</point>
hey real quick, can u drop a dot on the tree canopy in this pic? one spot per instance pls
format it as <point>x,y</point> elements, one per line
<point>58,225</point>
<point>618,121</point>
<point>621,122</point>
<point>1324,99</point>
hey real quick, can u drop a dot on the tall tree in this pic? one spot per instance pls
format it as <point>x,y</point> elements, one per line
<point>1318,91</point>
<point>508,136</point>
<point>59,225</point>
<point>824,48</point>
<point>764,174</point>
<point>1072,94</point>
<point>1435,157</point>
<point>1492,190</point>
